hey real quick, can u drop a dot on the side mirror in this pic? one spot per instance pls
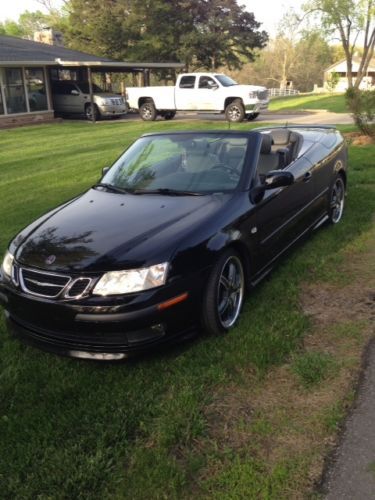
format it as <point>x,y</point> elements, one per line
<point>274,179</point>
<point>105,170</point>
<point>212,85</point>
<point>278,178</point>
<point>74,92</point>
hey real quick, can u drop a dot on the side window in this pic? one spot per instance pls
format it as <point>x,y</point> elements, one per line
<point>56,88</point>
<point>187,82</point>
<point>63,88</point>
<point>68,88</point>
<point>206,82</point>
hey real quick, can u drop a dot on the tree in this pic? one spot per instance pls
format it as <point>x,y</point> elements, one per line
<point>299,53</point>
<point>352,20</point>
<point>201,33</point>
<point>28,23</point>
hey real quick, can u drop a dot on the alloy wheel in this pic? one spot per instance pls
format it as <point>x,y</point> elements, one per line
<point>230,291</point>
<point>337,200</point>
<point>234,113</point>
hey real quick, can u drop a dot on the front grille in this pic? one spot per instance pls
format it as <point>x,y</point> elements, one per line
<point>79,287</point>
<point>117,101</point>
<point>262,95</point>
<point>43,283</point>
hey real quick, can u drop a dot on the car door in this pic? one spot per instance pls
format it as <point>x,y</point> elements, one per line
<point>206,94</point>
<point>326,156</point>
<point>62,97</point>
<point>185,94</point>
<point>73,98</point>
<point>283,214</point>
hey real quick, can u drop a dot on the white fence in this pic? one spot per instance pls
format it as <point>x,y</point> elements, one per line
<point>282,92</point>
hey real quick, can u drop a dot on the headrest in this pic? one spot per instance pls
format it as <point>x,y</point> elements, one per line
<point>198,147</point>
<point>237,151</point>
<point>293,137</point>
<point>266,144</point>
<point>280,136</point>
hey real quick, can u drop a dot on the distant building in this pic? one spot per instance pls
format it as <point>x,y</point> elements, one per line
<point>339,68</point>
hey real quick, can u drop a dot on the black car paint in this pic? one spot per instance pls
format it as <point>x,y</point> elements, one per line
<point>97,232</point>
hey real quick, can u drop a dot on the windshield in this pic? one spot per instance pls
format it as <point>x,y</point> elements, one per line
<point>84,88</point>
<point>194,163</point>
<point>225,80</point>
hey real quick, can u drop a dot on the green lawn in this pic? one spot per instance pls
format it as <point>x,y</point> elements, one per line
<point>141,430</point>
<point>335,103</point>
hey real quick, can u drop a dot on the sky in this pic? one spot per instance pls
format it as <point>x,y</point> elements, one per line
<point>268,12</point>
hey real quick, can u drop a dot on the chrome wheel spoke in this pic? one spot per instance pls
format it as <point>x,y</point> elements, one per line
<point>224,282</point>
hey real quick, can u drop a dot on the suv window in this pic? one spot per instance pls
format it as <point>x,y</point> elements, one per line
<point>187,82</point>
<point>63,88</point>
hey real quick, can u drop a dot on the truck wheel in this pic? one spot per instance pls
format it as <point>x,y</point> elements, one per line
<point>235,112</point>
<point>148,111</point>
<point>252,116</point>
<point>169,115</point>
<point>88,112</point>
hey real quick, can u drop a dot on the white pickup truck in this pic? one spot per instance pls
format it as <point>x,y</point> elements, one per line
<point>202,92</point>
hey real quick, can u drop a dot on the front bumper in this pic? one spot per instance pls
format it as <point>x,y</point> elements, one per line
<point>104,328</point>
<point>256,107</point>
<point>112,110</point>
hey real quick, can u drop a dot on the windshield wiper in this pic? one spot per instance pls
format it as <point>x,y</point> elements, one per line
<point>167,192</point>
<point>111,187</point>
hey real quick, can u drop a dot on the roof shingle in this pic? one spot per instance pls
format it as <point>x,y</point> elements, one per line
<point>18,49</point>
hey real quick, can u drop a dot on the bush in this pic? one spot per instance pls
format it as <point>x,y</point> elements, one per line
<point>362,106</point>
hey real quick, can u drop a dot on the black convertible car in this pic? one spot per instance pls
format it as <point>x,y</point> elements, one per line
<point>176,231</point>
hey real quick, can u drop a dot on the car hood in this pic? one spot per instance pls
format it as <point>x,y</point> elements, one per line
<point>101,231</point>
<point>107,94</point>
<point>249,88</point>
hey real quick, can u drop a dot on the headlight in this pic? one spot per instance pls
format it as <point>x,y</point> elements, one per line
<point>104,101</point>
<point>7,264</point>
<point>133,280</point>
<point>253,94</point>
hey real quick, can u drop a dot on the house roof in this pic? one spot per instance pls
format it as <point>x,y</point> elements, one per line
<point>18,51</point>
<point>340,66</point>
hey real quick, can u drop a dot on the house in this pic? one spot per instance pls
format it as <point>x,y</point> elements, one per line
<point>27,68</point>
<point>340,69</point>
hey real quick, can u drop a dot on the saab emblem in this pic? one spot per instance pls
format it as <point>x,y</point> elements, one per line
<point>50,259</point>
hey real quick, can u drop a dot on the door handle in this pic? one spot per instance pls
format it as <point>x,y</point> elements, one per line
<point>307,177</point>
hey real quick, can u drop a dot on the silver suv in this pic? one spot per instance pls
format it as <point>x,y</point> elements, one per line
<point>74,97</point>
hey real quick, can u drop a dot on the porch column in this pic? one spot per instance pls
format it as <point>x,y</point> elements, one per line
<point>89,77</point>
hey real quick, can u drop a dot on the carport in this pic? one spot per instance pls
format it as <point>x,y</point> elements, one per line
<point>27,68</point>
<point>90,67</point>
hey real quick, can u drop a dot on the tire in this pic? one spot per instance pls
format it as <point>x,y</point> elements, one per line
<point>224,295</point>
<point>169,115</point>
<point>252,116</point>
<point>148,111</point>
<point>336,200</point>
<point>88,112</point>
<point>235,112</point>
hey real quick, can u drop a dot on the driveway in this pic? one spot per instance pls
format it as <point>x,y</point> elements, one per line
<point>319,117</point>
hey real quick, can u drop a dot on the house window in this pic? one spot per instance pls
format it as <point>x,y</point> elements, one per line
<point>36,89</point>
<point>14,91</point>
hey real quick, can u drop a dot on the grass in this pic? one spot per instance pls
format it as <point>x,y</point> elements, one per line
<point>141,430</point>
<point>313,367</point>
<point>334,103</point>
